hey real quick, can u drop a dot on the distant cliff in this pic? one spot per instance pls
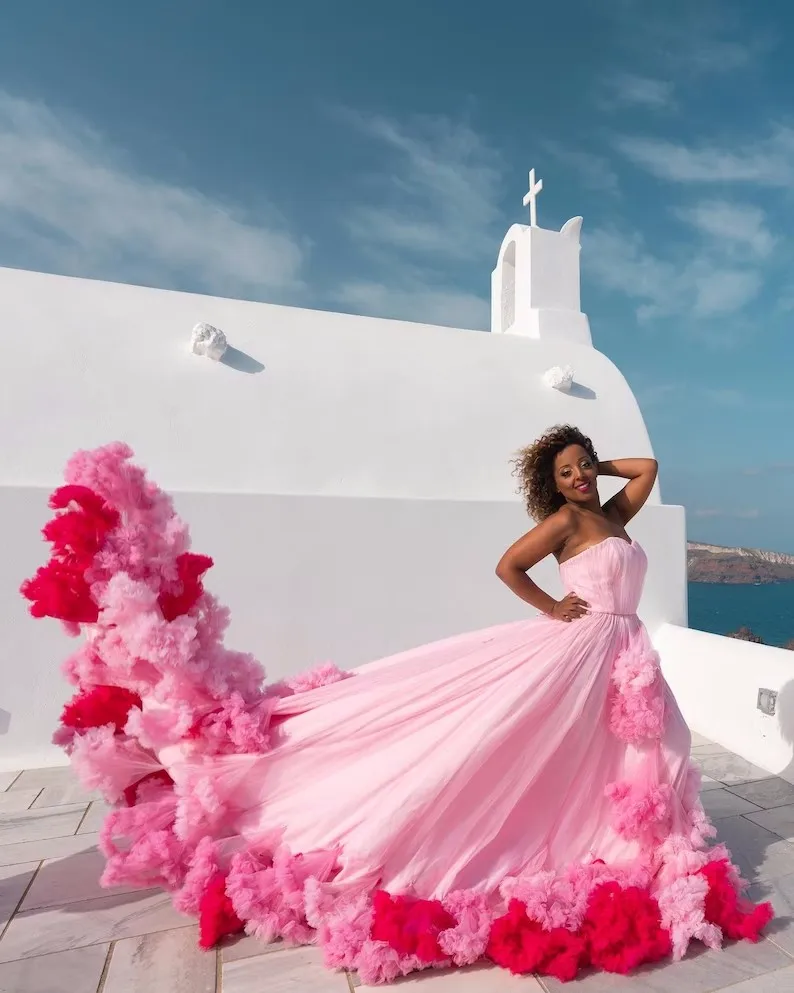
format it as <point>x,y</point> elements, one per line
<point>717,564</point>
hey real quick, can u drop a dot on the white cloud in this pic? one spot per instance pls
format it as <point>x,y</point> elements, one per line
<point>774,467</point>
<point>657,394</point>
<point>629,90</point>
<point>653,395</point>
<point>441,196</point>
<point>724,397</point>
<point>436,212</point>
<point>766,162</point>
<point>696,39</point>
<point>721,55</point>
<point>732,225</point>
<point>786,301</point>
<point>694,283</point>
<point>750,514</point>
<point>706,280</point>
<point>69,202</point>
<point>620,262</point>
<point>721,291</point>
<point>594,171</point>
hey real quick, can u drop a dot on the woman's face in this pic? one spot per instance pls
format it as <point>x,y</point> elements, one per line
<point>575,474</point>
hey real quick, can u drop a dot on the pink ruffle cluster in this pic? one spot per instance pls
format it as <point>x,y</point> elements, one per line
<point>153,672</point>
<point>646,809</point>
<point>637,699</point>
<point>642,815</point>
<point>697,890</point>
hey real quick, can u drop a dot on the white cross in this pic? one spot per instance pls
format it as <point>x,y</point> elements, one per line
<point>530,198</point>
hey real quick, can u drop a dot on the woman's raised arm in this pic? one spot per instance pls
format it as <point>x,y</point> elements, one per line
<point>641,475</point>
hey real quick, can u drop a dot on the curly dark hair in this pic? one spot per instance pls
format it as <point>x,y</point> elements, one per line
<point>534,467</point>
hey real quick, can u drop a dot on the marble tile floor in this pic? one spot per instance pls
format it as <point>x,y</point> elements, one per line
<point>60,932</point>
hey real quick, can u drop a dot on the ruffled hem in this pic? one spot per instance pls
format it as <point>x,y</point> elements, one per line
<point>554,923</point>
<point>154,673</point>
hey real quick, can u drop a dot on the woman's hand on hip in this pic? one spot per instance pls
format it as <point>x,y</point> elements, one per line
<point>570,608</point>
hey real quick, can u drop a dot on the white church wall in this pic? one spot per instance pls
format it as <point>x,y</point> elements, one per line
<point>341,406</point>
<point>716,681</point>
<point>349,475</point>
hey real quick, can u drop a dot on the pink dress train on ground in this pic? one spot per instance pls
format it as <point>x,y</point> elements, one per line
<point>522,794</point>
<point>460,763</point>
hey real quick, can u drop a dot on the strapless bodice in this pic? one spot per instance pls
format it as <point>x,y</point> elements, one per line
<point>609,576</point>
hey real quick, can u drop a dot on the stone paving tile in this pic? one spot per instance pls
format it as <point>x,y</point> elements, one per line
<point>248,947</point>
<point>76,971</point>
<point>722,803</point>
<point>780,893</point>
<point>91,922</point>
<point>724,767</point>
<point>169,961</point>
<point>708,748</point>
<point>698,739</point>
<point>781,981</point>
<point>94,818</point>
<point>70,792</point>
<point>477,979</point>
<point>7,779</point>
<point>780,820</point>
<point>38,825</point>
<point>14,880</point>
<point>13,801</point>
<point>61,775</point>
<point>68,880</point>
<point>48,848</point>
<point>760,854</point>
<point>294,970</point>
<point>766,793</point>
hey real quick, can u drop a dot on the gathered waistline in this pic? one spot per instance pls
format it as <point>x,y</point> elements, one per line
<point>612,613</point>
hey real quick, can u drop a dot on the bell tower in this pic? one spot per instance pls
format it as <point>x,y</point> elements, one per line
<point>535,287</point>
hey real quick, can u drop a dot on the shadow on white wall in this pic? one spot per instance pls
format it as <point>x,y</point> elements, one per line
<point>241,361</point>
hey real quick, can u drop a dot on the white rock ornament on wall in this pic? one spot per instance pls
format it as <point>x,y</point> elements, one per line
<point>559,378</point>
<point>208,340</point>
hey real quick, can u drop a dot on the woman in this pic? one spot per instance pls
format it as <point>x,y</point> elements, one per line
<point>521,794</point>
<point>558,480</point>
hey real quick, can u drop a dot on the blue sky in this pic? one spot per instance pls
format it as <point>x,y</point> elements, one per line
<point>368,157</point>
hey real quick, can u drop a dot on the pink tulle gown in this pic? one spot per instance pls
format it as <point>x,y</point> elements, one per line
<point>522,794</point>
<point>462,763</point>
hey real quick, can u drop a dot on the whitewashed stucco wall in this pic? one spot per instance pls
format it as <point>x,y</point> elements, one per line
<point>716,681</point>
<point>343,406</point>
<point>349,475</point>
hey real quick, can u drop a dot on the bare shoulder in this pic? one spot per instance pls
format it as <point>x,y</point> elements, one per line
<point>563,520</point>
<point>561,526</point>
<point>547,538</point>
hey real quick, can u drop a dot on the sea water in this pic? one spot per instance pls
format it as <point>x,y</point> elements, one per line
<point>723,607</point>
